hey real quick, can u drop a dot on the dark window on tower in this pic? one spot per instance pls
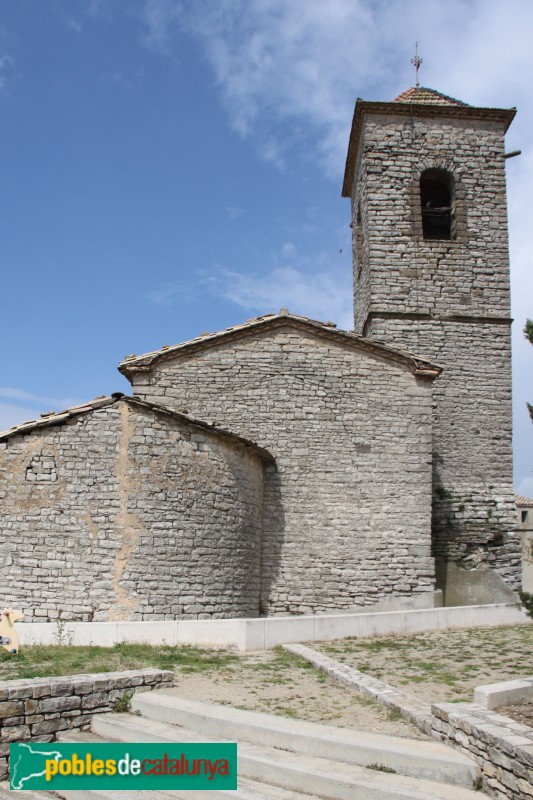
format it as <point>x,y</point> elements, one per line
<point>437,200</point>
<point>524,516</point>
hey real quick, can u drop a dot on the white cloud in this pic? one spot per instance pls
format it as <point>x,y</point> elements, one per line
<point>289,73</point>
<point>235,213</point>
<point>170,293</point>
<point>6,65</point>
<point>322,295</point>
<point>75,24</point>
<point>128,81</point>
<point>12,393</point>
<point>160,18</point>
<point>315,285</point>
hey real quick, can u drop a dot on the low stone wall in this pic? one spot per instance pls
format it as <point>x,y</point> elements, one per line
<point>410,708</point>
<point>37,709</point>
<point>502,748</point>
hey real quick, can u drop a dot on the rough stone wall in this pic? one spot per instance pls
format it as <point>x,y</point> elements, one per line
<point>58,536</point>
<point>465,276</point>
<point>123,513</point>
<point>474,512</point>
<point>447,301</point>
<point>37,709</point>
<point>501,747</point>
<point>347,511</point>
<point>199,510</point>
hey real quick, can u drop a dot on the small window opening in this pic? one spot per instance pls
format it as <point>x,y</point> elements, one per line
<point>524,516</point>
<point>437,200</point>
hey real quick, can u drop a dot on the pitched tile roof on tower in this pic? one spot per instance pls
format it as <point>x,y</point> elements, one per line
<point>417,101</point>
<point>421,94</point>
<point>144,363</point>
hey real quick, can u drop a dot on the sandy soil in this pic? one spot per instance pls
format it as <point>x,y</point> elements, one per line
<point>523,714</point>
<point>435,667</point>
<point>277,683</point>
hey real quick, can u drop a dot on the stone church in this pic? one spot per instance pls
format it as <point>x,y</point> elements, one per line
<point>283,466</point>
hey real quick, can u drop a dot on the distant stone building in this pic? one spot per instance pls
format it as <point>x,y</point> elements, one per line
<point>284,466</point>
<point>525,520</point>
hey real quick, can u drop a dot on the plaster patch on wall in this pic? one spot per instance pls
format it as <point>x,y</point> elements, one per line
<point>128,524</point>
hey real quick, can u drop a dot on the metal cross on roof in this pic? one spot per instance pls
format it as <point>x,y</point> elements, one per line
<point>416,61</point>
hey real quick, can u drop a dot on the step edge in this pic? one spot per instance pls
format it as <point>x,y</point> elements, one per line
<point>343,735</point>
<point>384,779</point>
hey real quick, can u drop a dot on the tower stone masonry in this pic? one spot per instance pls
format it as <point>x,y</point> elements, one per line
<point>426,178</point>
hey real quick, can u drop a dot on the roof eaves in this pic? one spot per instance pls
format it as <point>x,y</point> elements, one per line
<point>212,427</point>
<point>49,419</point>
<point>144,363</point>
<point>523,502</point>
<point>146,359</point>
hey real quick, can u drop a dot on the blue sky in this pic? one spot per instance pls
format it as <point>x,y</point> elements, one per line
<point>175,167</point>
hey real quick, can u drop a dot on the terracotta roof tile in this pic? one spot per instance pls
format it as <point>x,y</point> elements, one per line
<point>425,96</point>
<point>523,502</point>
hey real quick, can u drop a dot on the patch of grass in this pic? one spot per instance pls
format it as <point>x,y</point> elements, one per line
<point>54,660</point>
<point>381,768</point>
<point>362,700</point>
<point>286,711</point>
<point>123,703</point>
<point>455,661</point>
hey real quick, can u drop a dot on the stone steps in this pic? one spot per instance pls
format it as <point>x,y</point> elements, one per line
<point>270,772</point>
<point>280,758</point>
<point>415,758</point>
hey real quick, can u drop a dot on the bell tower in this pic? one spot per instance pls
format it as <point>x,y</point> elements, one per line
<point>426,178</point>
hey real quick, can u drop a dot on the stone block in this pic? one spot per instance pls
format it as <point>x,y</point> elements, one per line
<point>15,733</point>
<point>59,704</point>
<point>49,726</point>
<point>11,708</point>
<point>95,700</point>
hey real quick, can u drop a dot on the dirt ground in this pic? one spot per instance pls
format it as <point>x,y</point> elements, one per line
<point>442,666</point>
<point>523,714</point>
<point>435,667</point>
<point>278,683</point>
